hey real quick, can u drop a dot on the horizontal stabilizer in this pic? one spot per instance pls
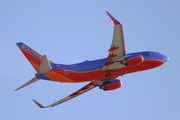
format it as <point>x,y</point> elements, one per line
<point>28,83</point>
<point>45,66</point>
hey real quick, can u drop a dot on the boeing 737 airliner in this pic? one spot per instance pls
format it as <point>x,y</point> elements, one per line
<point>101,72</point>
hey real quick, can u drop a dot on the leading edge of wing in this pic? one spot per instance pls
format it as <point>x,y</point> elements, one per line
<point>84,89</point>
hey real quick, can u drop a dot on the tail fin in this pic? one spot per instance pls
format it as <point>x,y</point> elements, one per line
<point>33,57</point>
<point>40,63</point>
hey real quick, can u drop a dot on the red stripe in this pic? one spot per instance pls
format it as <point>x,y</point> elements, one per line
<point>31,58</point>
<point>114,48</point>
<point>112,56</point>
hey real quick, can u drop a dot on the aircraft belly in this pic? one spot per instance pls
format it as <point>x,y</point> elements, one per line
<point>84,76</point>
<point>147,64</point>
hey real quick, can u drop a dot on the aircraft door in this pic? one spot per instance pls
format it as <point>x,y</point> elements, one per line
<point>66,72</point>
<point>152,55</point>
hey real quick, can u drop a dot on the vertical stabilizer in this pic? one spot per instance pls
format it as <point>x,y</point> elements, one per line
<point>32,56</point>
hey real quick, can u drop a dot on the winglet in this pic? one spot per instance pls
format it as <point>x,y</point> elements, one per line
<point>39,104</point>
<point>116,22</point>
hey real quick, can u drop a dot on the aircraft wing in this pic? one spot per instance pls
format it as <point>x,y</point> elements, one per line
<point>84,89</point>
<point>117,50</point>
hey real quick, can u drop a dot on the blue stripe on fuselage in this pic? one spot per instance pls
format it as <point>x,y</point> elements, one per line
<point>41,76</point>
<point>98,64</point>
<point>84,66</point>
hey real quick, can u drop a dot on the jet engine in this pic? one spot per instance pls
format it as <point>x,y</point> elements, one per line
<point>133,60</point>
<point>111,85</point>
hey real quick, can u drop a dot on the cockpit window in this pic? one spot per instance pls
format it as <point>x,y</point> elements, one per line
<point>157,52</point>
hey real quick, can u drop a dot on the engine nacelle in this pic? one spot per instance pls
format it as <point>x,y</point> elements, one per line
<point>133,60</point>
<point>111,85</point>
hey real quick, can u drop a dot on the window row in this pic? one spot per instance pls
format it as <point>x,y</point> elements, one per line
<point>88,65</point>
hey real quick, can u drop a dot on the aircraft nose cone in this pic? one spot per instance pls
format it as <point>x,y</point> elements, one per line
<point>165,59</point>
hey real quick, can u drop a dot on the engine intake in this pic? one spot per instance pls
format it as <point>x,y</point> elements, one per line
<point>133,60</point>
<point>111,85</point>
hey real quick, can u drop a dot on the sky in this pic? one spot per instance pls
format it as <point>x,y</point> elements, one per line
<point>74,31</point>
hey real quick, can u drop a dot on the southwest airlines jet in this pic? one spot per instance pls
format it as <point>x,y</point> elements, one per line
<point>100,73</point>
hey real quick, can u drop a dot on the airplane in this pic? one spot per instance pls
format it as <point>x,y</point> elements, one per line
<point>102,73</point>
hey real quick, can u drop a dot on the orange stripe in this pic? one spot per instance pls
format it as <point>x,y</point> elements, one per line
<point>53,75</point>
<point>58,77</point>
<point>154,60</point>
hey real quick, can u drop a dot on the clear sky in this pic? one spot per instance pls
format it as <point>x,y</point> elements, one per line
<point>74,31</point>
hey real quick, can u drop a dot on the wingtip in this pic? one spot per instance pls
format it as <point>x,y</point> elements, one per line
<point>38,104</point>
<point>116,22</point>
<point>18,88</point>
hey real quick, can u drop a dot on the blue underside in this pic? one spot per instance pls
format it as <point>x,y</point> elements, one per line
<point>41,76</point>
<point>111,81</point>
